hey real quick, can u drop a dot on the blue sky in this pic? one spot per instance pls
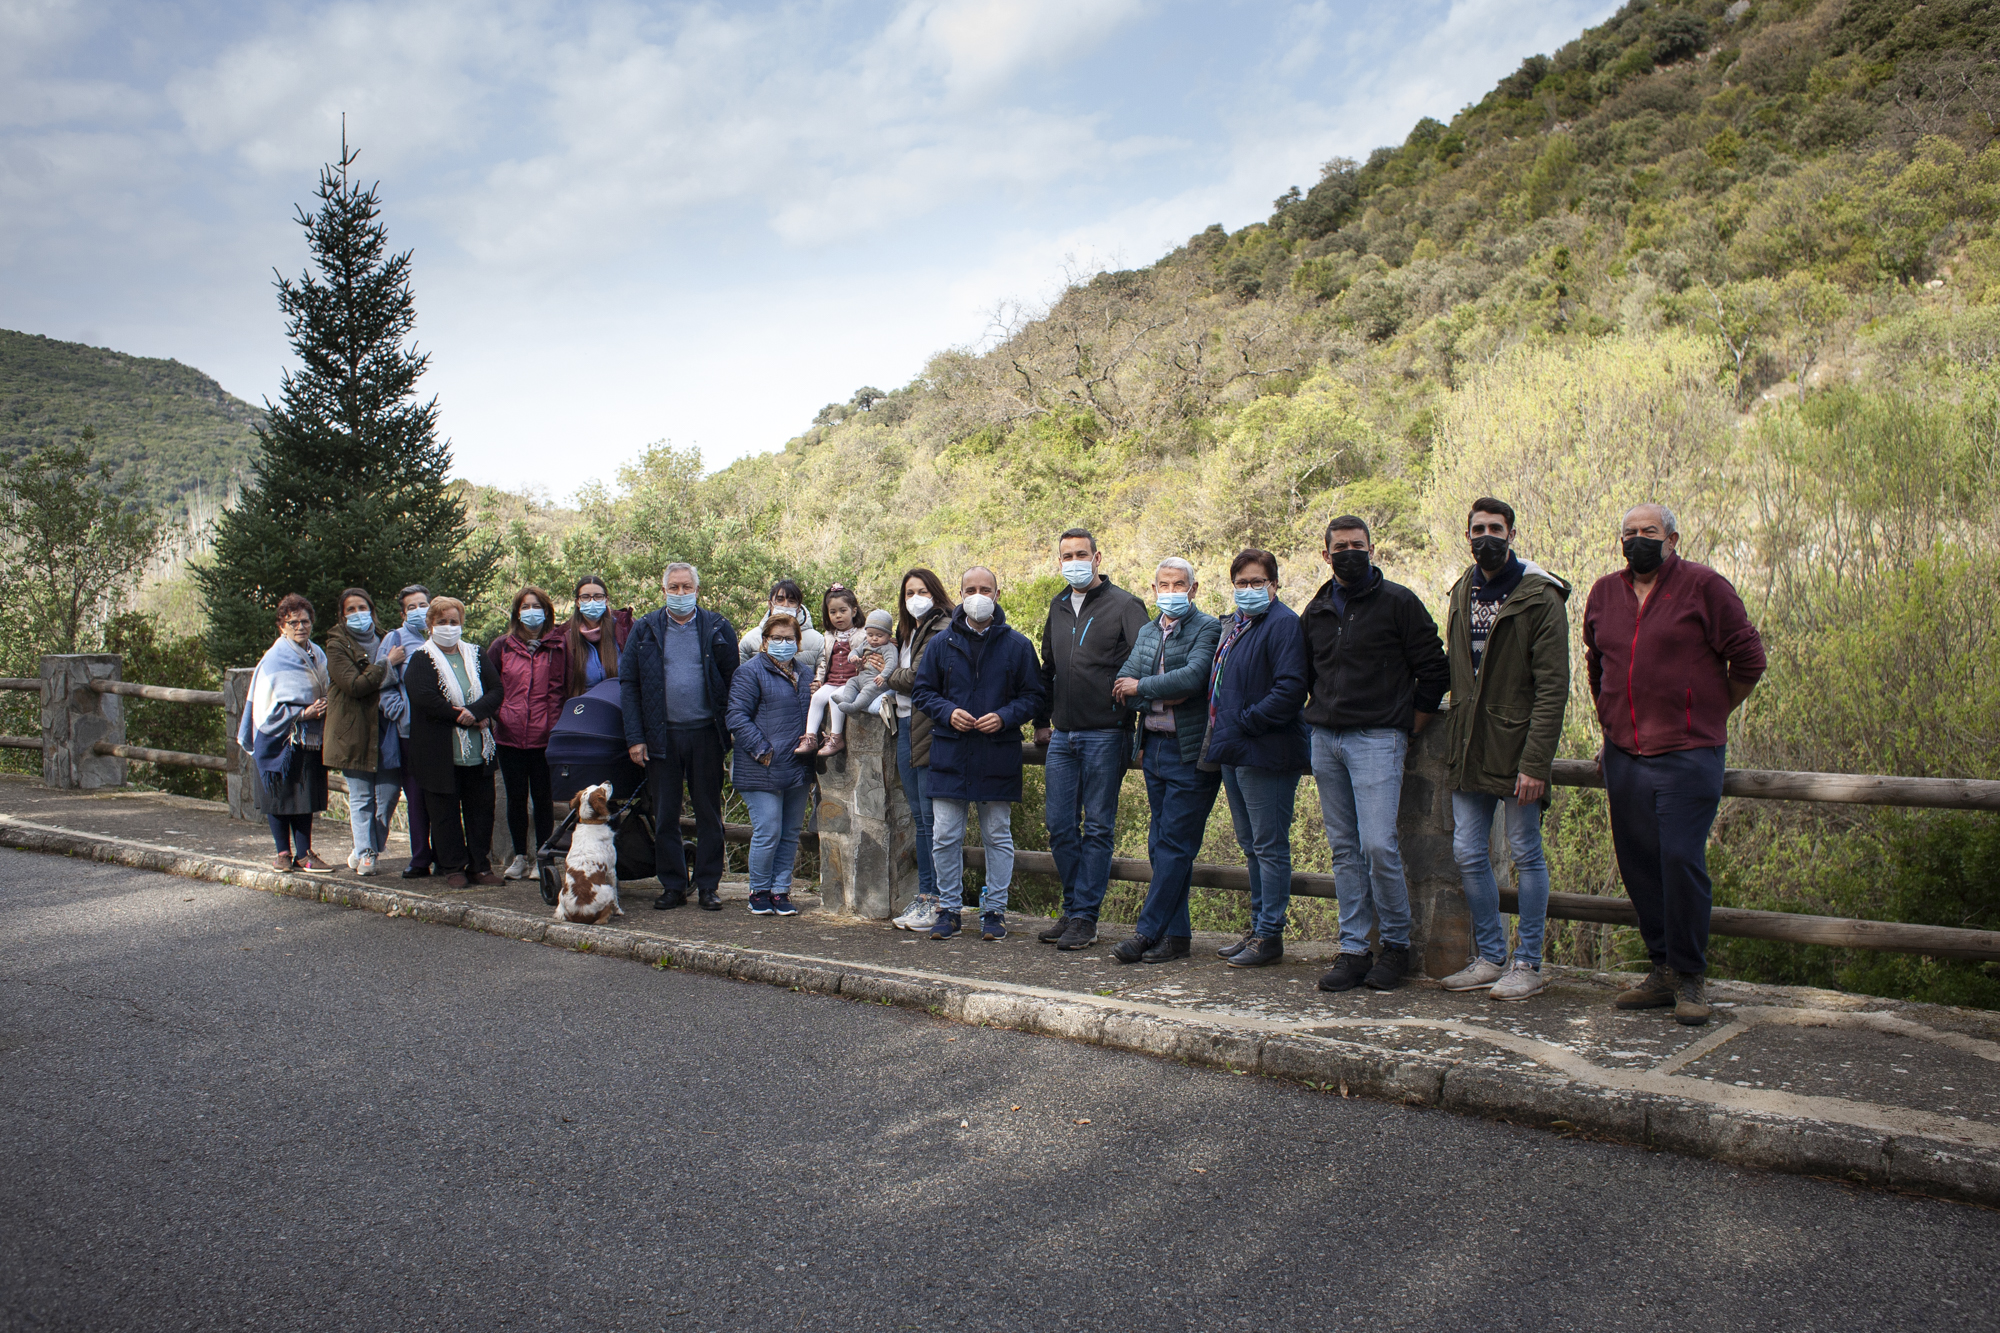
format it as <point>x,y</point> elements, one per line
<point>691,222</point>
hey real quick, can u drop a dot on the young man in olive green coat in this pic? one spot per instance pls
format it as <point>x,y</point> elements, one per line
<point>1507,640</point>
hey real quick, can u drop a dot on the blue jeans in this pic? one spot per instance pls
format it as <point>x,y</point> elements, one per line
<point>1360,777</point>
<point>1472,847</point>
<point>913,779</point>
<point>996,832</point>
<point>1662,807</point>
<point>1085,770</point>
<point>775,820</point>
<point>1181,795</point>
<point>1261,801</point>
<point>371,804</point>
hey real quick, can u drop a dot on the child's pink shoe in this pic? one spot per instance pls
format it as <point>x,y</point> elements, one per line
<point>807,745</point>
<point>834,745</point>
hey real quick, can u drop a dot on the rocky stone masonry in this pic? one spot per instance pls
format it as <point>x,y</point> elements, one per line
<point>867,854</point>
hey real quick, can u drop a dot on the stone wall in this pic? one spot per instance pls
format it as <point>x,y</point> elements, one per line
<point>867,853</point>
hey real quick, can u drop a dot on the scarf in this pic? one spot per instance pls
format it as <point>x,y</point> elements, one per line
<point>288,679</point>
<point>1239,624</point>
<point>469,654</point>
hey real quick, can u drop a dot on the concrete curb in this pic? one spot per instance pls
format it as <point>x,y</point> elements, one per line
<point>1544,1099</point>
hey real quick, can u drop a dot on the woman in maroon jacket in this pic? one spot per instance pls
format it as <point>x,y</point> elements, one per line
<point>534,677</point>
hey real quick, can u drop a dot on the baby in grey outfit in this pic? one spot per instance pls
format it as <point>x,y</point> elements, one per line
<point>863,692</point>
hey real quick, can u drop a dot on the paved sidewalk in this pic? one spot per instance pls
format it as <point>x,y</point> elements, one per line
<point>1818,1082</point>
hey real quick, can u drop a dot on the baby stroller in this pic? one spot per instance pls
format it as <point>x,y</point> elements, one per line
<point>586,747</point>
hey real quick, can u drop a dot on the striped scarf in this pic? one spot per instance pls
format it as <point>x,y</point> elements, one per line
<point>1238,625</point>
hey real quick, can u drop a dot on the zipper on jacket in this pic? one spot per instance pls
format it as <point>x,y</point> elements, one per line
<point>1631,662</point>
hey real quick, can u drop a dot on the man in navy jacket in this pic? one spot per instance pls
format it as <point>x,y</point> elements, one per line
<point>673,685</point>
<point>979,683</point>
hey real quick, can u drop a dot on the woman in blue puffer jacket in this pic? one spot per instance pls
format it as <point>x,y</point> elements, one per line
<point>768,699</point>
<point>1258,738</point>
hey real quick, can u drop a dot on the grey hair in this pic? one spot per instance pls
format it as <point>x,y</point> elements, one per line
<point>668,572</point>
<point>1175,562</point>
<point>1667,519</point>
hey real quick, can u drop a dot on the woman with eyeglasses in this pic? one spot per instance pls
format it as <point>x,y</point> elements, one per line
<point>284,729</point>
<point>1257,736</point>
<point>594,637</point>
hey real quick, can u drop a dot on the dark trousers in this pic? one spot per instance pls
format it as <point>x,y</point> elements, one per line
<point>1662,807</point>
<point>462,822</point>
<point>691,759</point>
<point>527,775</point>
<point>421,855</point>
<point>292,833</point>
<point>1181,795</point>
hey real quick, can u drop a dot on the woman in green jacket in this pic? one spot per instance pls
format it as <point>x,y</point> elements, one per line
<point>360,742</point>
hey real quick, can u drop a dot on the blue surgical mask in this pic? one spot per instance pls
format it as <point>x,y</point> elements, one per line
<point>1253,601</point>
<point>680,604</point>
<point>784,650</point>
<point>361,621</point>
<point>1079,573</point>
<point>534,617</point>
<point>417,621</point>
<point>592,610</point>
<point>1174,604</point>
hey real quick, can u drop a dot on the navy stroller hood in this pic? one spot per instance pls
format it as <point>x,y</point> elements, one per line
<point>590,728</point>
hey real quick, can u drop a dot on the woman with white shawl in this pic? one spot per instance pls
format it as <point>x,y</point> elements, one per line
<point>454,691</point>
<point>282,730</point>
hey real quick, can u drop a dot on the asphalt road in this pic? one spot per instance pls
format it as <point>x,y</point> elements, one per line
<point>222,1109</point>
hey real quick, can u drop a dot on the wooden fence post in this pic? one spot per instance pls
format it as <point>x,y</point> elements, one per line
<point>75,718</point>
<point>235,699</point>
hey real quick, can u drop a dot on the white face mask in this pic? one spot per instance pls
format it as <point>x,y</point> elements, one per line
<point>446,636</point>
<point>919,606</point>
<point>978,608</point>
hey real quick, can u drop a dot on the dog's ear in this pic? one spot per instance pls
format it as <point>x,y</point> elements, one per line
<point>576,803</point>
<point>598,805</point>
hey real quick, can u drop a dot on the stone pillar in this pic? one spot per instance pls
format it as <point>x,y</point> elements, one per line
<point>1441,928</point>
<point>867,851</point>
<point>239,779</point>
<point>76,717</point>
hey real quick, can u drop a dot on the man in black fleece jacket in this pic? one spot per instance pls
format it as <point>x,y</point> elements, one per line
<point>1377,674</point>
<point>1090,631</point>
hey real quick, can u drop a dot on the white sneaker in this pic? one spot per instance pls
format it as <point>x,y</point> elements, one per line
<point>1521,981</point>
<point>921,914</point>
<point>518,868</point>
<point>364,863</point>
<point>1475,975</point>
<point>354,862</point>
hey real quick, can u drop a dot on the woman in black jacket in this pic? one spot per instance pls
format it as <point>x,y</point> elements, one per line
<point>454,691</point>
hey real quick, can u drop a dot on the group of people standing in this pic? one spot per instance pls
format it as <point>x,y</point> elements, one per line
<point>1241,706</point>
<point>417,712</point>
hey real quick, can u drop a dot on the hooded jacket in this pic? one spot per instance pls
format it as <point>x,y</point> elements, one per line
<point>1375,663</point>
<point>1506,715</point>
<point>993,672</point>
<point>1081,655</point>
<point>354,706</point>
<point>1660,673</point>
<point>811,642</point>
<point>1258,695</point>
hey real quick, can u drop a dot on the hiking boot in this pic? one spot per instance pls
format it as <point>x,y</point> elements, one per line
<point>1523,979</point>
<point>1389,969</point>
<point>1259,951</point>
<point>1655,992</point>
<point>761,905</point>
<point>834,745</point>
<point>946,926</point>
<point>1346,972</point>
<point>992,925</point>
<point>1231,950</point>
<point>1168,950</point>
<point>1131,949</point>
<point>1691,1007</point>
<point>518,868</point>
<point>1054,932</point>
<point>921,914</point>
<point>1475,975</point>
<point>1080,933</point>
<point>781,905</point>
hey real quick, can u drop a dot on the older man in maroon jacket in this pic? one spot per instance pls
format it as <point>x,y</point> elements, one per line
<point>1671,653</point>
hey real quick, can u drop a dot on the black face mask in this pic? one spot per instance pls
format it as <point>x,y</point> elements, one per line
<point>1489,553</point>
<point>1351,566</point>
<point>1644,554</point>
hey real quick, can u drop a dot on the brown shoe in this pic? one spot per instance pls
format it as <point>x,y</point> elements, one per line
<point>486,877</point>
<point>1691,1007</point>
<point>454,880</point>
<point>283,861</point>
<point>1655,992</point>
<point>312,865</point>
<point>834,745</point>
<point>808,744</point>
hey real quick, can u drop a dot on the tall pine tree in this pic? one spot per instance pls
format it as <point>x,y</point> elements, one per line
<point>349,486</point>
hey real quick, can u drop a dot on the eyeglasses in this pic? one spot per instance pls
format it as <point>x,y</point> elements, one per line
<point>1252,584</point>
<point>299,622</point>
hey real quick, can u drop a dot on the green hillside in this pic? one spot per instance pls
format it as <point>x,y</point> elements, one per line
<point>167,426</point>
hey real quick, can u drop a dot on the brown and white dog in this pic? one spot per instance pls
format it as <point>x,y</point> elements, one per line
<point>590,871</point>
